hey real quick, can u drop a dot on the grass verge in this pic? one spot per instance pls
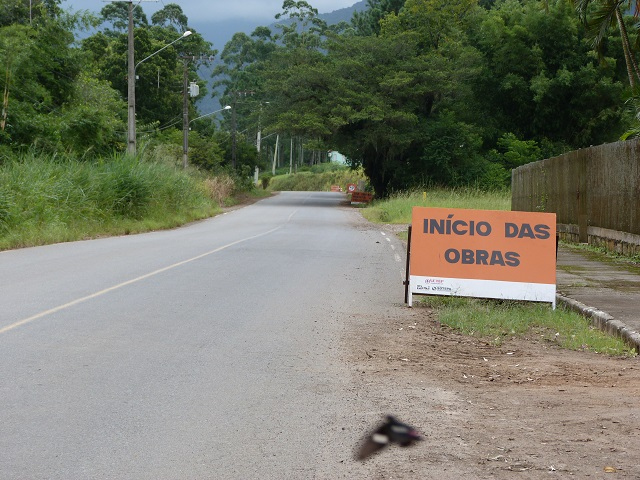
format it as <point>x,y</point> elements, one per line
<point>397,209</point>
<point>496,321</point>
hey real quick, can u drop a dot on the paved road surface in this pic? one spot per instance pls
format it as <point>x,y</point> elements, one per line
<point>210,351</point>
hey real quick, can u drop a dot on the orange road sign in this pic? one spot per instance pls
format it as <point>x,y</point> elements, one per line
<point>483,253</point>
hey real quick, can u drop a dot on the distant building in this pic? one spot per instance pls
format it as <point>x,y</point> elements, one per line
<point>337,157</point>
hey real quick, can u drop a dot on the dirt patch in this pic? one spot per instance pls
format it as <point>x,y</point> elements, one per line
<point>525,409</point>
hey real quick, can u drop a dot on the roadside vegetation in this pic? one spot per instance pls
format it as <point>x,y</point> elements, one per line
<point>46,199</point>
<point>493,320</point>
<point>319,178</point>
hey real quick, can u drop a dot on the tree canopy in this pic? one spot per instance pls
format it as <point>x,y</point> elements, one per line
<point>452,92</point>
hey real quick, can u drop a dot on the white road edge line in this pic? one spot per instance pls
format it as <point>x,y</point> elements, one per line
<point>129,282</point>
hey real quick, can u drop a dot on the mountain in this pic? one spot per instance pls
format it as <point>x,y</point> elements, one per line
<point>343,14</point>
<point>219,33</point>
<point>332,18</point>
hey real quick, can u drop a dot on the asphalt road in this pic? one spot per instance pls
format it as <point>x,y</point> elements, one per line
<point>211,351</point>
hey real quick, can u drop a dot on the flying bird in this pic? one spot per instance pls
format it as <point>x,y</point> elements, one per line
<point>391,431</point>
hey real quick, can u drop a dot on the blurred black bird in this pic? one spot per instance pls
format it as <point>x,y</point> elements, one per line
<point>391,431</point>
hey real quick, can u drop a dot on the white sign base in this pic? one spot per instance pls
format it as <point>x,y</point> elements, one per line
<point>459,287</point>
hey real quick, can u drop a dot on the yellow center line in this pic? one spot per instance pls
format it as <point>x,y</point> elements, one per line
<point>129,282</point>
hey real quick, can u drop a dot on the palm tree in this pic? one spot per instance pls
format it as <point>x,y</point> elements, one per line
<point>607,15</point>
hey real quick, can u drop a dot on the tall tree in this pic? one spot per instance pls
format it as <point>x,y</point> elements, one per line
<point>371,106</point>
<point>302,28</point>
<point>116,14</point>
<point>431,20</point>
<point>26,11</point>
<point>49,102</point>
<point>419,70</point>
<point>171,16</point>
<point>367,22</point>
<point>540,81</point>
<point>607,14</point>
<point>238,82</point>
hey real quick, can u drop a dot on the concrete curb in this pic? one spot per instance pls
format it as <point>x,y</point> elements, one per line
<point>603,320</point>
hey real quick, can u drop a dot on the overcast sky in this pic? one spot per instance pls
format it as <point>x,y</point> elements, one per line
<point>205,11</point>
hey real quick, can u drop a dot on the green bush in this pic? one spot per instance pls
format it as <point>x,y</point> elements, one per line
<point>310,181</point>
<point>265,180</point>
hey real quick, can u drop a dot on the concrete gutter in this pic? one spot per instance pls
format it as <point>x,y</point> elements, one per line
<point>603,321</point>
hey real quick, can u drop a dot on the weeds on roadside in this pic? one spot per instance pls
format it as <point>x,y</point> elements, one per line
<point>498,320</point>
<point>397,208</point>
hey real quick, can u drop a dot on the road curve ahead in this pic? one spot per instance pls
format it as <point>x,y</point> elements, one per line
<point>210,351</point>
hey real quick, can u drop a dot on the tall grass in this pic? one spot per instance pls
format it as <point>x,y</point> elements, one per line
<point>397,208</point>
<point>220,188</point>
<point>47,200</point>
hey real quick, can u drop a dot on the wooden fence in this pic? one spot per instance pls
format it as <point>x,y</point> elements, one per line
<point>595,193</point>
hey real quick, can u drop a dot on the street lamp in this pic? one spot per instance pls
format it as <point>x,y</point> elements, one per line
<point>131,84</point>
<point>185,137</point>
<point>185,34</point>
<point>228,107</point>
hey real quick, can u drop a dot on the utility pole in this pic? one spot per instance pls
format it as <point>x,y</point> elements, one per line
<point>233,133</point>
<point>234,142</point>
<point>131,79</point>
<point>275,156</point>
<point>185,115</point>
<point>259,134</point>
<point>291,157</point>
<point>185,103</point>
<point>131,88</point>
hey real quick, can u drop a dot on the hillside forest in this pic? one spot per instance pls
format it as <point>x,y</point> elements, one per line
<point>416,92</point>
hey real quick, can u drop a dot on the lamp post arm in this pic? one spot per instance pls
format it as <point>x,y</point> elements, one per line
<point>158,51</point>
<point>212,113</point>
<point>155,53</point>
